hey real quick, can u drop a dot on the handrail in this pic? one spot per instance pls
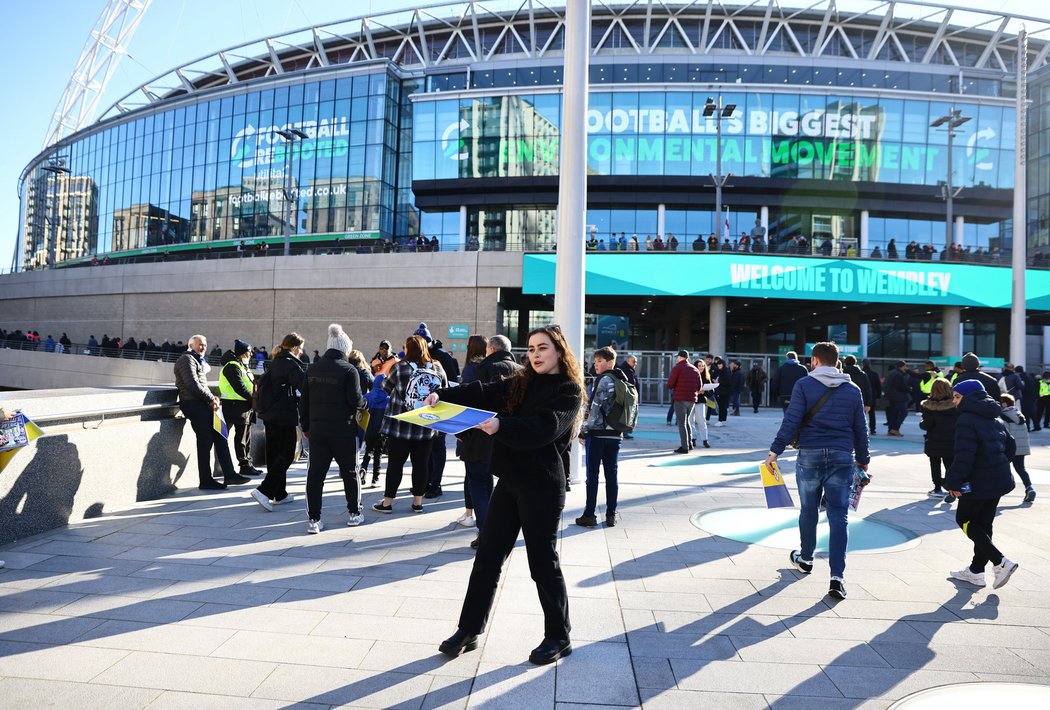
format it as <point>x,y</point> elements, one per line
<point>103,413</point>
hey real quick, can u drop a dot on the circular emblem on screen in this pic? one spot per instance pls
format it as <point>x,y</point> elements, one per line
<point>430,417</point>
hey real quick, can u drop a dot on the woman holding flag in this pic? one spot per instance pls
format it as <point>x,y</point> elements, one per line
<point>538,414</point>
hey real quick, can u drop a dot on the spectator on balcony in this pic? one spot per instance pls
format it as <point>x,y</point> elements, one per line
<point>672,242</point>
<point>825,247</point>
<point>633,244</point>
<point>658,244</point>
<point>472,243</point>
<point>745,242</point>
<point>648,242</point>
<point>698,243</point>
<point>623,242</point>
<point>726,246</point>
<point>758,244</point>
<point>49,344</point>
<point>65,342</point>
<point>712,243</point>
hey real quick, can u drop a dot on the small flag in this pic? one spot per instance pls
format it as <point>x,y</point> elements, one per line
<point>777,494</point>
<point>445,417</point>
<point>362,417</point>
<point>219,424</point>
<point>16,433</point>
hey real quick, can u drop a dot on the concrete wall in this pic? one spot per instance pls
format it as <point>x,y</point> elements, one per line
<point>32,370</point>
<point>374,296</point>
<point>88,464</point>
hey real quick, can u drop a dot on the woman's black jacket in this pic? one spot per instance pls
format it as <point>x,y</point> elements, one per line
<point>289,376</point>
<point>938,421</point>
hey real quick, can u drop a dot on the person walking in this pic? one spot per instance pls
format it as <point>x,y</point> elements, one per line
<point>476,346</point>
<point>409,383</point>
<point>1029,395</point>
<point>684,382</point>
<point>859,378</point>
<point>538,414</point>
<point>724,393</point>
<point>601,442</point>
<point>629,368</point>
<point>827,415</point>
<point>327,409</point>
<point>236,382</point>
<point>979,476</point>
<point>1016,425</point>
<point>898,394</point>
<point>971,370</point>
<point>786,376</point>
<point>938,421</point>
<point>198,405</point>
<point>736,386</point>
<point>876,392</point>
<point>1042,410</point>
<point>287,375</point>
<point>756,383</point>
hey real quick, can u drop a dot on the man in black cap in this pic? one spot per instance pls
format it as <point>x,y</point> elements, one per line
<point>381,360</point>
<point>971,365</point>
<point>235,394</point>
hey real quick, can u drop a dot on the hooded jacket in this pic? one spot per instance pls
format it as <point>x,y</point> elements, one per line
<point>840,424</point>
<point>983,449</point>
<point>331,396</point>
<point>938,421</point>
<point>1015,424</point>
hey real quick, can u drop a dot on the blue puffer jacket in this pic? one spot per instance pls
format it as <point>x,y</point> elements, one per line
<point>841,423</point>
<point>983,449</point>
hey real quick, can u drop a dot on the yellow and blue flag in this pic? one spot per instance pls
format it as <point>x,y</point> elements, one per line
<point>446,418</point>
<point>16,433</point>
<point>777,494</point>
<point>218,423</point>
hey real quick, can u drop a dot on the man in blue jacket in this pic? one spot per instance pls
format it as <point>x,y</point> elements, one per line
<point>827,415</point>
<point>785,377</point>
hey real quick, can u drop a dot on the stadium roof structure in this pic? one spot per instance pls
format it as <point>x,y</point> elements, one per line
<point>454,34</point>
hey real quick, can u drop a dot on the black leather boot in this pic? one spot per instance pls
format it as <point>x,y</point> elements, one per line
<point>550,650</point>
<point>458,643</point>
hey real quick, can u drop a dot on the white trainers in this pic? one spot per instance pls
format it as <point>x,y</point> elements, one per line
<point>314,527</point>
<point>262,500</point>
<point>970,577</point>
<point>466,520</point>
<point>719,424</point>
<point>287,499</point>
<point>354,520</point>
<point>1003,572</point>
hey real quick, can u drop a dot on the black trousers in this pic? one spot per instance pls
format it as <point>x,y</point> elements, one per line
<point>756,399</point>
<point>1042,409</point>
<point>238,416</point>
<point>324,448</point>
<point>532,507</point>
<point>723,404</point>
<point>436,467</point>
<point>201,419</point>
<point>280,452</point>
<point>935,469</point>
<point>871,419</point>
<point>399,451</point>
<point>975,517</point>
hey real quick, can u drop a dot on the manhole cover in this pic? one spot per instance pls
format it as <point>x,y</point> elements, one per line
<point>973,695</point>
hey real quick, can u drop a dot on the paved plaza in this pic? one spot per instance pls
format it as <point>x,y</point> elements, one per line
<point>200,601</point>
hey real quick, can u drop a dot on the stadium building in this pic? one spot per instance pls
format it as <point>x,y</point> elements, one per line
<point>359,136</point>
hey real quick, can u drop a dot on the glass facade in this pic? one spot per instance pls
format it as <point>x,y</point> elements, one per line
<point>1038,176</point>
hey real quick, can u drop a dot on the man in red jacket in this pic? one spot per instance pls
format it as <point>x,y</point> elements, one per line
<point>685,382</point>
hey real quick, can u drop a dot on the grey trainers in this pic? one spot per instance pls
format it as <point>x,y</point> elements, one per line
<point>803,566</point>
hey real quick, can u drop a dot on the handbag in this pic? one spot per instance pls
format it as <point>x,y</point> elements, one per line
<point>810,414</point>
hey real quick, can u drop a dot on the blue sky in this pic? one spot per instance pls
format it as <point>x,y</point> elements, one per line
<point>44,38</point>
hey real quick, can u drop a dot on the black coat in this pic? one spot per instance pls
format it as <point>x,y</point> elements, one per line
<point>786,376</point>
<point>991,385</point>
<point>448,363</point>
<point>289,376</point>
<point>474,445</point>
<point>861,380</point>
<point>498,365</point>
<point>628,372</point>
<point>531,440</point>
<point>897,387</point>
<point>938,421</point>
<point>331,396</point>
<point>983,449</point>
<point>876,384</point>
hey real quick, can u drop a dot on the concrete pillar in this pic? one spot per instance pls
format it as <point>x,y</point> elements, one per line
<point>852,329</point>
<point>960,223</point>
<point>763,217</point>
<point>462,228</point>
<point>661,219</point>
<point>717,326</point>
<point>862,248</point>
<point>951,333</point>
<point>1002,335</point>
<point>863,339</point>
<point>685,327</point>
<point>1046,345</point>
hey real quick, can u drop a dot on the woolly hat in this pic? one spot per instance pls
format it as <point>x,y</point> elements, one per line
<point>971,362</point>
<point>683,353</point>
<point>423,332</point>
<point>339,340</point>
<point>967,386</point>
<point>241,347</point>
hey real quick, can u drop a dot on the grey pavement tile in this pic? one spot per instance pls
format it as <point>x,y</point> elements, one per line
<point>599,673</point>
<point>45,628</point>
<point>80,549</point>
<point>701,624</point>
<point>801,650</point>
<point>653,673</point>
<point>170,555</point>
<point>801,702</point>
<point>337,686</point>
<point>196,674</point>
<point>513,687</point>
<point>417,608</point>
<point>365,625</point>
<point>914,611</point>
<point>315,581</point>
<point>235,594</point>
<point>402,657</point>
<point>178,700</point>
<point>830,627</point>
<point>770,606</point>
<point>175,540</point>
<point>953,657</point>
<point>448,693</point>
<point>673,699</point>
<point>659,645</point>
<point>664,600</point>
<point>310,650</point>
<point>749,677</point>
<point>32,692</point>
<point>73,663</point>
<point>191,573</point>
<point>154,611</point>
<point>596,620</point>
<point>224,616</point>
<point>301,565</point>
<point>90,583</point>
<point>981,635</point>
<point>140,636</point>
<point>1037,657</point>
<point>65,564</point>
<point>19,560</point>
<point>14,580</point>
<point>375,600</point>
<point>891,683</point>
<point>37,600</point>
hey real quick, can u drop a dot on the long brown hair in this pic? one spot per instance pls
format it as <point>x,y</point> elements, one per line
<point>416,350</point>
<point>476,346</point>
<point>567,363</point>
<point>292,340</point>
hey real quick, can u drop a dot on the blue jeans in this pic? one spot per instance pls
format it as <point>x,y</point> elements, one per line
<point>829,472</point>
<point>479,483</point>
<point>736,402</point>
<point>604,453</point>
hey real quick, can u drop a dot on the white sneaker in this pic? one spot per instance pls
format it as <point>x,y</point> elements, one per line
<point>354,520</point>
<point>262,500</point>
<point>314,527</point>
<point>466,520</point>
<point>719,424</point>
<point>970,577</point>
<point>287,499</point>
<point>1003,571</point>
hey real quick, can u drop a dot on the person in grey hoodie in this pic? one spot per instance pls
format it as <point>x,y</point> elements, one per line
<point>1017,426</point>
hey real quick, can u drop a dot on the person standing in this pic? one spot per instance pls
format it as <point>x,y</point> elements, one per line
<point>383,360</point>
<point>736,386</point>
<point>898,394</point>
<point>786,376</point>
<point>198,405</point>
<point>849,366</point>
<point>1016,425</point>
<point>938,421</point>
<point>983,451</point>
<point>327,409</point>
<point>876,391</point>
<point>827,415</point>
<point>281,416</point>
<point>601,442</point>
<point>1029,395</point>
<point>538,413</point>
<point>932,374</point>
<point>476,346</point>
<point>971,370</point>
<point>235,392</point>
<point>756,383</point>
<point>698,417</point>
<point>629,367</point>
<point>438,450</point>
<point>1042,411</point>
<point>684,383</point>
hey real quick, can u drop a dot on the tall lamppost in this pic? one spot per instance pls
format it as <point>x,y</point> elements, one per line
<point>56,167</point>
<point>720,113</point>
<point>290,135</point>
<point>952,120</point>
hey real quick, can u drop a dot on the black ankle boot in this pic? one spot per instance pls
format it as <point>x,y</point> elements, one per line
<point>458,643</point>
<point>550,650</point>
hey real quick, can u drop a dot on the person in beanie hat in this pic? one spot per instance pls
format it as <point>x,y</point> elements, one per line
<point>424,332</point>
<point>236,383</point>
<point>979,476</point>
<point>971,365</point>
<point>383,360</point>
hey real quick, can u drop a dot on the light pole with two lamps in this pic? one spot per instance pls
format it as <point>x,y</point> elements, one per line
<point>56,167</point>
<point>291,136</point>
<point>950,121</point>
<point>720,113</point>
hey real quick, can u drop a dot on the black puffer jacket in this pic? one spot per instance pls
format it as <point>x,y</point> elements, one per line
<point>983,449</point>
<point>991,385</point>
<point>531,440</point>
<point>938,421</point>
<point>331,396</point>
<point>289,376</point>
<point>190,379</point>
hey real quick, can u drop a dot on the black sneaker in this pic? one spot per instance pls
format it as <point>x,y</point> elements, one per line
<point>610,520</point>
<point>680,450</point>
<point>1029,495</point>
<point>837,590</point>
<point>587,521</point>
<point>417,508</point>
<point>434,492</point>
<point>707,444</point>
<point>380,508</point>
<point>949,499</point>
<point>800,564</point>
<point>235,479</point>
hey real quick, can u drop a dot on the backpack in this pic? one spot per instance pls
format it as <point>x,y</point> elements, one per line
<point>264,394</point>
<point>421,383</point>
<point>623,412</point>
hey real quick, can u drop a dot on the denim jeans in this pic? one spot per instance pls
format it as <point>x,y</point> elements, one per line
<point>603,452</point>
<point>479,483</point>
<point>829,472</point>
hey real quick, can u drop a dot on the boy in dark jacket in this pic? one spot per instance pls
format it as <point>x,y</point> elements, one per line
<point>983,451</point>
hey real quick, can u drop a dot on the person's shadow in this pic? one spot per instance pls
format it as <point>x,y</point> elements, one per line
<point>42,497</point>
<point>163,464</point>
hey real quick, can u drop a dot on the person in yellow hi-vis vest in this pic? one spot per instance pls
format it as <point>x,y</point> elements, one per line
<point>957,369</point>
<point>235,392</point>
<point>931,375</point>
<point>1042,414</point>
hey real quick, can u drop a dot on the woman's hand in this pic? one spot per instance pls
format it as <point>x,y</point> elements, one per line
<point>489,426</point>
<point>431,399</point>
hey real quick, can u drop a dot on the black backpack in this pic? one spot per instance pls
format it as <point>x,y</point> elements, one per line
<point>264,394</point>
